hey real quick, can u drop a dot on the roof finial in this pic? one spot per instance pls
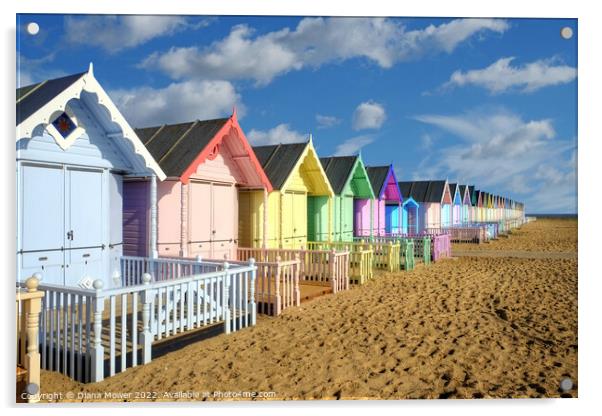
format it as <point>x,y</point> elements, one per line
<point>234,117</point>
<point>91,69</point>
<point>310,138</point>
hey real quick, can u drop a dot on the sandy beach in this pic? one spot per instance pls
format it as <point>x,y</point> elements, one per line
<point>475,326</point>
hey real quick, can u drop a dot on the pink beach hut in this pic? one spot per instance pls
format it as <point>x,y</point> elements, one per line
<point>371,217</point>
<point>435,202</point>
<point>206,163</point>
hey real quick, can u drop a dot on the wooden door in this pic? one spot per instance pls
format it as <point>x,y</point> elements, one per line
<point>42,221</point>
<point>199,219</point>
<point>224,220</point>
<point>347,218</point>
<point>287,220</point>
<point>299,219</point>
<point>362,213</point>
<point>86,211</point>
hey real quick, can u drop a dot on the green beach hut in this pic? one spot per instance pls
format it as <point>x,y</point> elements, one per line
<point>349,180</point>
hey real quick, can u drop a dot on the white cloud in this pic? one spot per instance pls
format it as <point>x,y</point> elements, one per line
<point>501,152</point>
<point>352,146</point>
<point>501,76</point>
<point>281,134</point>
<point>369,115</point>
<point>314,42</point>
<point>178,102</point>
<point>325,122</point>
<point>114,33</point>
<point>31,71</point>
<point>427,141</point>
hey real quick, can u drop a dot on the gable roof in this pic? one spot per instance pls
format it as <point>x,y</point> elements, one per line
<point>338,169</point>
<point>36,104</point>
<point>278,161</point>
<point>453,189</point>
<point>406,189</point>
<point>473,195</point>
<point>181,148</point>
<point>436,191</point>
<point>379,178</point>
<point>378,175</point>
<point>466,195</point>
<point>418,190</point>
<point>33,97</point>
<point>176,146</point>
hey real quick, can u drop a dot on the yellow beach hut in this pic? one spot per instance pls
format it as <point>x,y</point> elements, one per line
<point>300,206</point>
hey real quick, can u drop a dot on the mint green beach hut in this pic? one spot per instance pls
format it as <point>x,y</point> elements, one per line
<point>349,180</point>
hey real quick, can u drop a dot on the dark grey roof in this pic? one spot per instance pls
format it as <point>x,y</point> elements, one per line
<point>462,191</point>
<point>423,191</point>
<point>338,169</point>
<point>452,190</point>
<point>406,189</point>
<point>474,195</point>
<point>279,160</point>
<point>378,176</point>
<point>420,190</point>
<point>435,191</point>
<point>176,146</point>
<point>33,97</point>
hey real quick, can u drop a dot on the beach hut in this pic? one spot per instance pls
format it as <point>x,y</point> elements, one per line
<point>434,199</point>
<point>480,206</point>
<point>466,204</point>
<point>349,181</point>
<point>410,210</point>
<point>489,211</point>
<point>300,205</point>
<point>474,197</point>
<point>454,190</point>
<point>386,212</point>
<point>207,163</point>
<point>73,150</point>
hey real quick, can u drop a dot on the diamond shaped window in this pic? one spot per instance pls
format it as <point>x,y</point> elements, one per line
<point>64,125</point>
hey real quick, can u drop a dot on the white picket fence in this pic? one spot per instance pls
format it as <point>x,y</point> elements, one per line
<point>89,334</point>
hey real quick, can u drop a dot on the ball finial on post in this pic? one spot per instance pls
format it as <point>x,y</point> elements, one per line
<point>146,278</point>
<point>98,284</point>
<point>251,261</point>
<point>32,283</point>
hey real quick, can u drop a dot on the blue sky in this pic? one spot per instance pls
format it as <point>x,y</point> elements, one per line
<point>490,102</point>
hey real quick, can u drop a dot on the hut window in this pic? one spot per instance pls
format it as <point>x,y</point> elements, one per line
<point>64,125</point>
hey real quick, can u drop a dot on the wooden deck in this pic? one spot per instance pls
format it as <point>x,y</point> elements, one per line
<point>309,291</point>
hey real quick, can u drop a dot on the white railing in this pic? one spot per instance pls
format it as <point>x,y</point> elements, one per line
<point>163,268</point>
<point>88,334</point>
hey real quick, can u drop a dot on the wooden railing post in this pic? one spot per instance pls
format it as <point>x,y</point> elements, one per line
<point>252,305</point>
<point>226,298</point>
<point>146,338</point>
<point>332,272</point>
<point>277,296</point>
<point>97,348</point>
<point>296,281</point>
<point>31,309</point>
